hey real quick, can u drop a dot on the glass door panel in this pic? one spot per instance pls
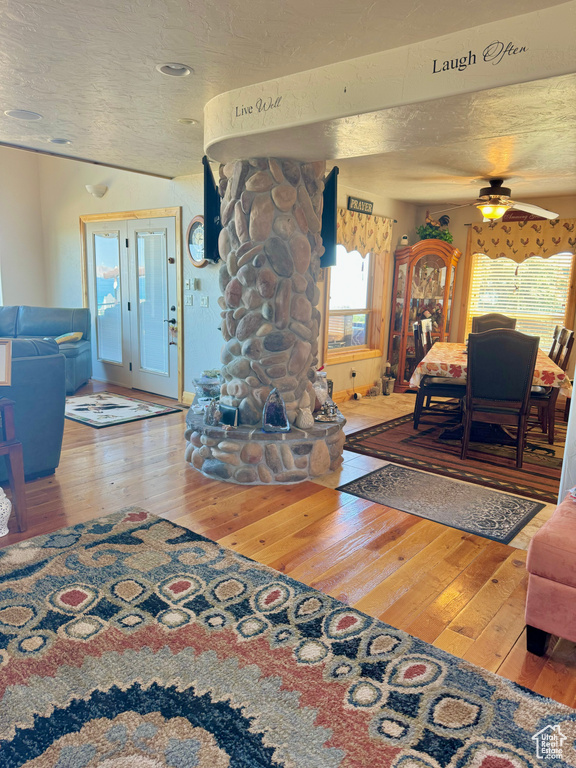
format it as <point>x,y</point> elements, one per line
<point>412,359</point>
<point>400,296</point>
<point>427,291</point>
<point>108,291</point>
<point>394,354</point>
<point>153,317</point>
<point>450,298</point>
<point>152,301</point>
<point>108,297</point>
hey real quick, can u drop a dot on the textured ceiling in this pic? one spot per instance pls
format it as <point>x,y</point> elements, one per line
<point>89,69</point>
<point>442,150</point>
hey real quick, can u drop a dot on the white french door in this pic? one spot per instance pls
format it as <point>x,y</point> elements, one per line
<point>132,293</point>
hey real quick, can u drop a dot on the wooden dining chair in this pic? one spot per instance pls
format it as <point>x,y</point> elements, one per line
<point>418,348</point>
<point>432,386</point>
<point>555,335</point>
<point>426,334</point>
<point>544,398</point>
<point>491,321</point>
<point>500,371</point>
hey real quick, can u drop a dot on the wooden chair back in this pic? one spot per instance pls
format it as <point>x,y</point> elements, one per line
<point>426,334</point>
<point>500,371</point>
<point>564,345</point>
<point>552,353</point>
<point>418,348</point>
<point>491,321</point>
<point>499,382</point>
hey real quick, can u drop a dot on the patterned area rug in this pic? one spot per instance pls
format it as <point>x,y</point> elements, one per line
<point>490,465</point>
<point>129,641</point>
<point>104,409</point>
<point>492,514</point>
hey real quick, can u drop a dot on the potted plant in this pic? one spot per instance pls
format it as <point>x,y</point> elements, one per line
<point>435,230</point>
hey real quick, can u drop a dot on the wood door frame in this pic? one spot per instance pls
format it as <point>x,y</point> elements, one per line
<point>151,213</point>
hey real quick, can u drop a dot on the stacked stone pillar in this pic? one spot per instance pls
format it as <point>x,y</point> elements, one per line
<point>270,246</point>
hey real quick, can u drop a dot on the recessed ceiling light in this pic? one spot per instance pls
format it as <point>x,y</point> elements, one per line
<point>174,70</point>
<point>59,141</point>
<point>187,121</point>
<point>22,114</point>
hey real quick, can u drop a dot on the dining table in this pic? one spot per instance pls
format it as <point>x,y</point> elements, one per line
<point>450,360</point>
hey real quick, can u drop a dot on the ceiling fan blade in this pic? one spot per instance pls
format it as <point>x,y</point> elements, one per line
<point>454,208</point>
<point>535,209</point>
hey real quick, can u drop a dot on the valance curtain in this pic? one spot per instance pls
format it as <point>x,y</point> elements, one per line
<point>363,233</point>
<point>519,240</point>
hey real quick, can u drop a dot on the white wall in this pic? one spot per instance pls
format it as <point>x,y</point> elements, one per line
<point>367,371</point>
<point>64,199</point>
<point>21,257</point>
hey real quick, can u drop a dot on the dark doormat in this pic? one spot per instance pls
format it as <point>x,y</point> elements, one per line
<point>483,511</point>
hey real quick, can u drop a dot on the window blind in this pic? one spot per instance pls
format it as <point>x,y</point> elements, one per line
<point>535,292</point>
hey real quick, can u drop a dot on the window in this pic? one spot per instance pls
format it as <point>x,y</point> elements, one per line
<point>535,292</point>
<point>350,309</point>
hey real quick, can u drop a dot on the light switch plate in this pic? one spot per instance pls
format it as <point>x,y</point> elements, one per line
<point>204,300</point>
<point>187,284</point>
<point>188,300</point>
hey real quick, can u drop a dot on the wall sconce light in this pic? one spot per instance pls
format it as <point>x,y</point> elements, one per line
<point>97,190</point>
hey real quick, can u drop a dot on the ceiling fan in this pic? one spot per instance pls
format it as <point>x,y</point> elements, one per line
<point>494,201</point>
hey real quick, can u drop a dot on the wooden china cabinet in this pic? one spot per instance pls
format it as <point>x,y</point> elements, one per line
<point>424,279</point>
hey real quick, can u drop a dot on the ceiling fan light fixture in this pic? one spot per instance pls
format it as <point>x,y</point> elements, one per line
<point>493,209</point>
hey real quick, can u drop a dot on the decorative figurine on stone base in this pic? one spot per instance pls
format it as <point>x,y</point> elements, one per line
<point>328,412</point>
<point>274,418</point>
<point>212,414</point>
<point>304,418</point>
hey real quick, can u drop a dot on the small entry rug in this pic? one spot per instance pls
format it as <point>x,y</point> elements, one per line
<point>104,409</point>
<point>129,641</point>
<point>491,514</point>
<point>487,464</point>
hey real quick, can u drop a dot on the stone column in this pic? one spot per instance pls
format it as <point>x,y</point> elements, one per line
<point>270,246</point>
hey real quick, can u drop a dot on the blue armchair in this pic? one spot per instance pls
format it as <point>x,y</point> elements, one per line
<point>39,394</point>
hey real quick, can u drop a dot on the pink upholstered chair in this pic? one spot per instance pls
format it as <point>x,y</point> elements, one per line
<point>551,564</point>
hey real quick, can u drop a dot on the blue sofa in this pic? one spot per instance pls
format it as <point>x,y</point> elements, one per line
<point>42,322</point>
<point>39,394</point>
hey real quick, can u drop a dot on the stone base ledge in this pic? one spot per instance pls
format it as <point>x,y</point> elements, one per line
<point>250,456</point>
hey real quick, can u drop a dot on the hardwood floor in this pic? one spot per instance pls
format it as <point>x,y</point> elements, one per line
<point>458,591</point>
